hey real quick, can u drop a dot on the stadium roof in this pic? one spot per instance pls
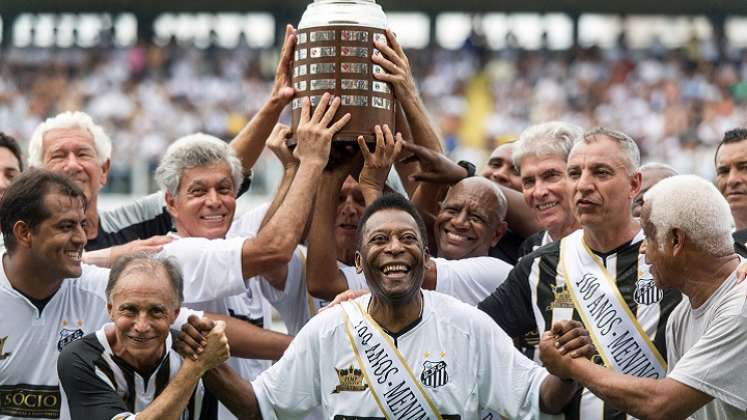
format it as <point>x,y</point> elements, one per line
<point>296,7</point>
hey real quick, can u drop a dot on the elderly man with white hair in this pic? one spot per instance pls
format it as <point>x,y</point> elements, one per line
<point>73,144</point>
<point>689,247</point>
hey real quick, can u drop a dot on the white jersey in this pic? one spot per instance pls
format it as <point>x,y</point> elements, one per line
<point>221,259</point>
<point>320,368</point>
<point>30,341</point>
<point>469,280</point>
<point>707,350</point>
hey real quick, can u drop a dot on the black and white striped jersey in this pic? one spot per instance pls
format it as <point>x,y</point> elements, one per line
<point>523,307</point>
<point>97,384</point>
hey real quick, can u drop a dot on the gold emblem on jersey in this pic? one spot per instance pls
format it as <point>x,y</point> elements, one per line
<point>350,380</point>
<point>3,355</point>
<point>562,299</point>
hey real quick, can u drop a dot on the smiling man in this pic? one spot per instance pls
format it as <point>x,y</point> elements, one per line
<point>540,156</point>
<point>127,370</point>
<point>399,352</point>
<point>689,247</point>
<point>589,268</point>
<point>471,219</point>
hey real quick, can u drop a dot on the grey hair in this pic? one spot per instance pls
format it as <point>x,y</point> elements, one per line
<point>69,119</point>
<point>695,206</point>
<point>147,263</point>
<point>626,143</point>
<point>554,138</point>
<point>195,150</point>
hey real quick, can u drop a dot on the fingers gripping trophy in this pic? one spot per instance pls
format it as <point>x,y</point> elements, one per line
<point>333,54</point>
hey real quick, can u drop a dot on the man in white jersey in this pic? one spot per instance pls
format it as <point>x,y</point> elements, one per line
<point>49,299</point>
<point>199,175</point>
<point>689,247</point>
<point>399,353</point>
<point>127,367</point>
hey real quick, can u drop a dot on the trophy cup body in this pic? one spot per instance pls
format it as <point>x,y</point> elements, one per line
<point>333,54</point>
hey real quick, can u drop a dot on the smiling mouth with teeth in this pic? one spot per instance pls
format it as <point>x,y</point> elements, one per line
<point>547,205</point>
<point>395,268</point>
<point>74,255</point>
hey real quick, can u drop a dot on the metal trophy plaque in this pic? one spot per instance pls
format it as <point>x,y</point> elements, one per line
<point>335,42</point>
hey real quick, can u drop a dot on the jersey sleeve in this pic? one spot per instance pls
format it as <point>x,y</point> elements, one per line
<point>87,393</point>
<point>470,279</point>
<point>212,268</point>
<point>292,386</point>
<point>508,383</point>
<point>510,305</point>
<point>147,216</point>
<point>710,365</point>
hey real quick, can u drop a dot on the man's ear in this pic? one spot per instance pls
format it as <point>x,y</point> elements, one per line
<point>635,185</point>
<point>358,262</point>
<point>500,230</point>
<point>678,239</point>
<point>22,233</point>
<point>170,204</point>
<point>105,172</point>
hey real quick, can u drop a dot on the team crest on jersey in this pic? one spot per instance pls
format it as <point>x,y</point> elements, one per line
<point>434,374</point>
<point>562,298</point>
<point>67,336</point>
<point>3,355</point>
<point>646,292</point>
<point>350,380</point>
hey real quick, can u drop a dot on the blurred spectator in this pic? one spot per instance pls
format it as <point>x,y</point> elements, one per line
<point>675,103</point>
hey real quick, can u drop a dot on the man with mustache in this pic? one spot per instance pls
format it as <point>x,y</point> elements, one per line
<point>596,270</point>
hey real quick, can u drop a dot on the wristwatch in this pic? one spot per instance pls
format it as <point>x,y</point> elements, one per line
<point>468,166</point>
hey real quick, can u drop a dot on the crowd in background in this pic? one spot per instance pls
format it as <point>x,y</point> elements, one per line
<point>675,103</point>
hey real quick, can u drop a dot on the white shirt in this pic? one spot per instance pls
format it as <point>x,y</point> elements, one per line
<point>495,375</point>
<point>31,341</point>
<point>470,280</point>
<point>707,350</point>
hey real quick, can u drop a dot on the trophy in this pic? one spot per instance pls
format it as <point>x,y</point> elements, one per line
<point>334,45</point>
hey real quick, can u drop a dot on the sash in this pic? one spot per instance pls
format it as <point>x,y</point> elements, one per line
<point>387,373</point>
<point>617,335</point>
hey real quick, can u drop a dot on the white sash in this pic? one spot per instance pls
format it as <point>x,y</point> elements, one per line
<point>616,333</point>
<point>387,373</point>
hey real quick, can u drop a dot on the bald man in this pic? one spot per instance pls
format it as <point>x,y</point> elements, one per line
<point>651,174</point>
<point>471,219</point>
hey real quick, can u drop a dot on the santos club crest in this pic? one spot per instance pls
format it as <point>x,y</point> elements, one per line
<point>434,374</point>
<point>67,336</point>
